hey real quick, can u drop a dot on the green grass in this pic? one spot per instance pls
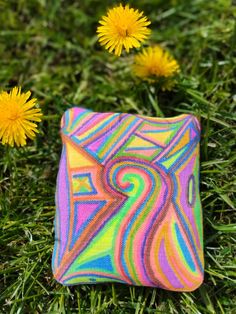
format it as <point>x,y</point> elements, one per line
<point>50,48</point>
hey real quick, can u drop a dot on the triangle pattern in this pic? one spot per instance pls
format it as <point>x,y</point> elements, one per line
<point>168,162</point>
<point>138,142</point>
<point>193,133</point>
<point>77,158</point>
<point>101,263</point>
<point>90,253</point>
<point>183,141</point>
<point>83,213</point>
<point>160,138</point>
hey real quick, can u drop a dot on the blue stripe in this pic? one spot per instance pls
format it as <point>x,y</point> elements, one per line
<point>184,248</point>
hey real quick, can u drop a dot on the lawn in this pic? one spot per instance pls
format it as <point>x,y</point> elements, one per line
<point>51,48</point>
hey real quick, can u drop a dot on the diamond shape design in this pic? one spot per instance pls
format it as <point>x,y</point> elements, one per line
<point>82,184</point>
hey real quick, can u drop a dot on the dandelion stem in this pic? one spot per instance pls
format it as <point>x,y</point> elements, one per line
<point>50,117</point>
<point>154,103</point>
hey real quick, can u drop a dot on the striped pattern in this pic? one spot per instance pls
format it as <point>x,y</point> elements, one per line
<point>127,201</point>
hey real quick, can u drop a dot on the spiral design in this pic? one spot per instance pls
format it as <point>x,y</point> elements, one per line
<point>147,189</point>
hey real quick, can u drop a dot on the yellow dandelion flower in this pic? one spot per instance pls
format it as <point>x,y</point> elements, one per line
<point>154,62</point>
<point>17,117</point>
<point>123,27</point>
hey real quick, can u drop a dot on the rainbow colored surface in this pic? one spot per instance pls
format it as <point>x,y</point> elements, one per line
<point>128,206</point>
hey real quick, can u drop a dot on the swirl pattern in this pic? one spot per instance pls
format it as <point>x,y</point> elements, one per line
<point>127,198</point>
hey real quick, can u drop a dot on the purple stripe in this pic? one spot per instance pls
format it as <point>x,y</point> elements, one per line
<point>63,205</point>
<point>167,270</point>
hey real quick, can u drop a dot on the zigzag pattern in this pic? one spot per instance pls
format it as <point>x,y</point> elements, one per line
<point>128,207</point>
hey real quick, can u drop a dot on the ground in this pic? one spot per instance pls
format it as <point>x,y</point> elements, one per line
<point>50,47</point>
